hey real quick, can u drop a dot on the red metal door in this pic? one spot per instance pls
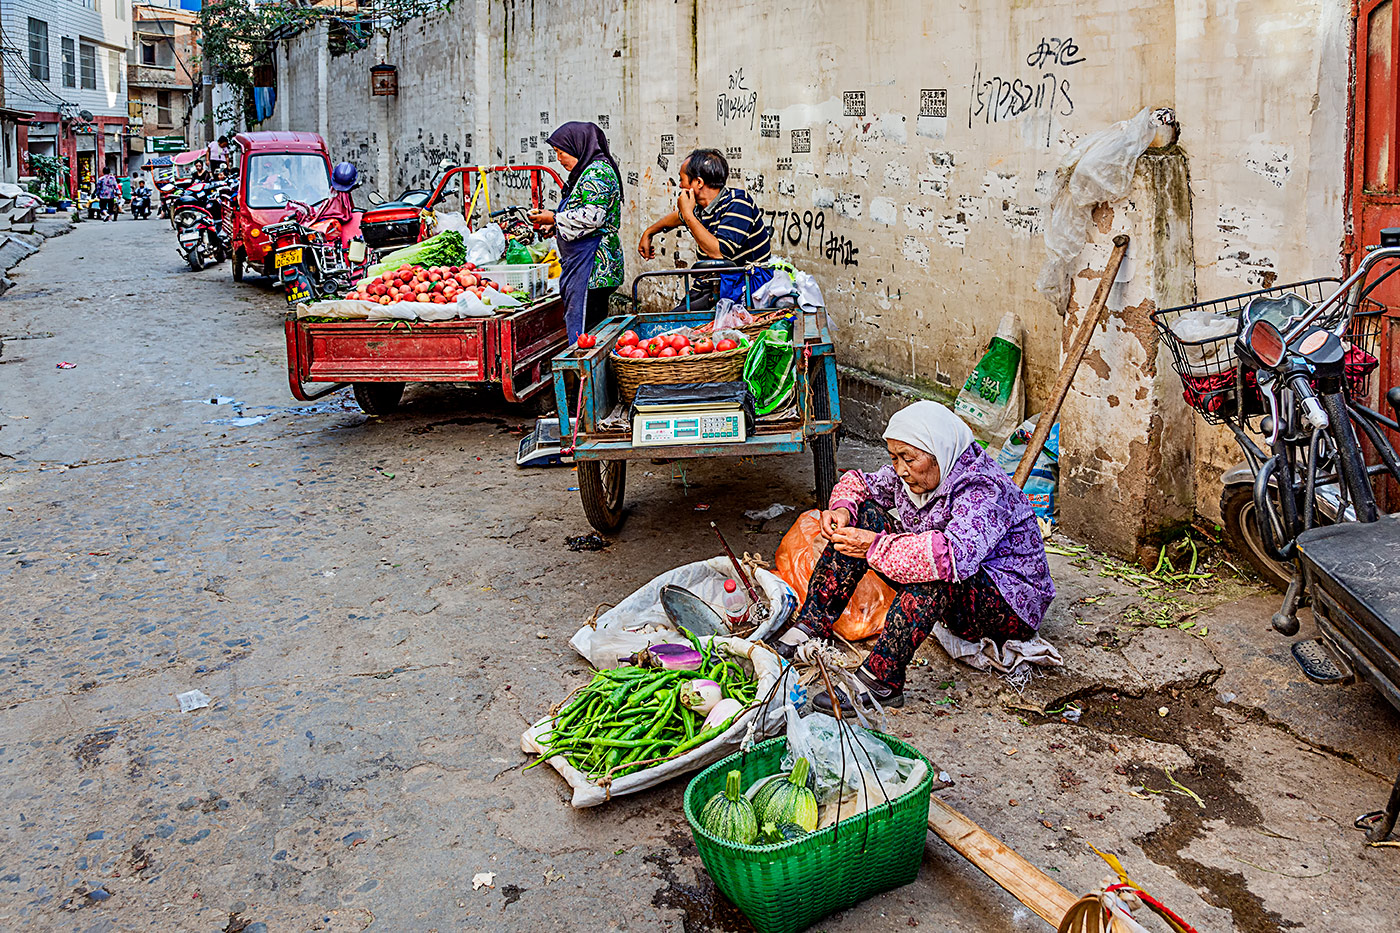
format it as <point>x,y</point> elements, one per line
<point>1375,159</point>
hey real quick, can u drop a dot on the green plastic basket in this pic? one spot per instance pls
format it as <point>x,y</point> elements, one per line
<point>788,887</point>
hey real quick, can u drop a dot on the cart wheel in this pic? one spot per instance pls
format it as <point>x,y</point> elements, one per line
<point>238,265</point>
<point>824,466</point>
<point>601,484</point>
<point>378,398</point>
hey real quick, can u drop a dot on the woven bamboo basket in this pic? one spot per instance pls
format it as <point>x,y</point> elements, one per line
<point>721,366</point>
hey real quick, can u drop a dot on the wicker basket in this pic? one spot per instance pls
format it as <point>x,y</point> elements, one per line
<point>721,366</point>
<point>788,887</point>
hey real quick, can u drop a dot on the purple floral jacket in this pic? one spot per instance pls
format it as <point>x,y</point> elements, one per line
<point>982,522</point>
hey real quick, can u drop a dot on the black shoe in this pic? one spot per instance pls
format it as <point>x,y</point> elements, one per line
<point>874,692</point>
<point>788,652</point>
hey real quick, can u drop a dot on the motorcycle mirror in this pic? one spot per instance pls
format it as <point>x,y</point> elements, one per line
<point>451,191</point>
<point>1266,343</point>
<point>375,197</point>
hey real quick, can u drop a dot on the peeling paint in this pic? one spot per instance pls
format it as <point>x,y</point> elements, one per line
<point>823,197</point>
<point>897,174</point>
<point>895,127</point>
<point>1271,164</point>
<point>999,184</point>
<point>953,228</point>
<point>883,211</point>
<point>922,219</point>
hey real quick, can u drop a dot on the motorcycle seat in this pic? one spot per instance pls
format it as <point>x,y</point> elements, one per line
<point>1358,565</point>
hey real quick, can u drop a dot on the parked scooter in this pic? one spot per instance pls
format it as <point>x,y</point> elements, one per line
<point>197,227</point>
<point>313,256</point>
<point>1299,363</point>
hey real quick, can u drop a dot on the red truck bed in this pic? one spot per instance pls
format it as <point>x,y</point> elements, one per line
<point>513,350</point>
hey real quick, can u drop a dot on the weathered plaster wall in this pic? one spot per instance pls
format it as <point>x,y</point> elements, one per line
<point>903,148</point>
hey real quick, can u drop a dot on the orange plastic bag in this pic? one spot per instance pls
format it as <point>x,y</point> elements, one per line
<point>797,555</point>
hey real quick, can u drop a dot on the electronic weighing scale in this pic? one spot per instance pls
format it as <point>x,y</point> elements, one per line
<point>706,413</point>
<point>540,448</point>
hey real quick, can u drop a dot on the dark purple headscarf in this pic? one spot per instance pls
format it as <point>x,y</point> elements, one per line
<point>585,142</point>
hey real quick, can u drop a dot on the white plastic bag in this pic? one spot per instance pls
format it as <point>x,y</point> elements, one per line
<point>768,669</point>
<point>809,294</point>
<point>992,399</point>
<point>639,620</point>
<point>730,315</point>
<point>770,292</point>
<point>500,300</point>
<point>451,220</point>
<point>1099,167</point>
<point>1195,326</point>
<point>486,245</point>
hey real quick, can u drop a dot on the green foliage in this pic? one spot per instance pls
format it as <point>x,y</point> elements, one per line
<point>50,170</point>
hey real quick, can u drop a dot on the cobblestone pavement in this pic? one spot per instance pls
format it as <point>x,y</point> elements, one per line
<point>378,606</point>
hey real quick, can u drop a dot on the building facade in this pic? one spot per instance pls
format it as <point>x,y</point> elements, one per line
<point>65,62</point>
<point>165,85</point>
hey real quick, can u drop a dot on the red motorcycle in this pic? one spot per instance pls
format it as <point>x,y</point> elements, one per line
<point>312,255</point>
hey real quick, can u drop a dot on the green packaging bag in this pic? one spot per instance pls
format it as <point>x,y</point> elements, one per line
<point>769,370</point>
<point>991,400</point>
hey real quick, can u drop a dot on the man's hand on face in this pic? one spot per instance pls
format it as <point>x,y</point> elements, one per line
<point>685,203</point>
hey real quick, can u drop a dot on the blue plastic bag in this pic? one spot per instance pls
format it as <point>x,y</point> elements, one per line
<point>1045,475</point>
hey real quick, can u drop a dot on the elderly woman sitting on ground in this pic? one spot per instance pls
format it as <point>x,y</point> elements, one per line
<point>948,530</point>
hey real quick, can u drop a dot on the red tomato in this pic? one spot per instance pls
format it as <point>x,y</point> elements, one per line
<point>725,344</point>
<point>586,341</point>
<point>686,351</point>
<point>638,353</point>
<point>705,346</point>
<point>677,341</point>
<point>628,339</point>
<point>668,351</point>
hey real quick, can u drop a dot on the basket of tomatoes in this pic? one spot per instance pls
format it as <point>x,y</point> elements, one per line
<point>677,357</point>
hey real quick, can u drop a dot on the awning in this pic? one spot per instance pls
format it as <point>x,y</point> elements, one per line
<point>13,114</point>
<point>194,155</point>
<point>159,162</point>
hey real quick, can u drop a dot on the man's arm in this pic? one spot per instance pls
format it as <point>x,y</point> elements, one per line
<point>706,241</point>
<point>669,222</point>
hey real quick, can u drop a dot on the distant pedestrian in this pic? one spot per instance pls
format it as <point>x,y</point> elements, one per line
<point>218,153</point>
<point>107,190</point>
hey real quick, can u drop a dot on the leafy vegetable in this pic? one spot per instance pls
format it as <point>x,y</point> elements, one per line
<point>445,249</point>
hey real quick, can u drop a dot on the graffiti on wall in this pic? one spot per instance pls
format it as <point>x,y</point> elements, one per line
<point>1003,98</point>
<point>807,230</point>
<point>738,103</point>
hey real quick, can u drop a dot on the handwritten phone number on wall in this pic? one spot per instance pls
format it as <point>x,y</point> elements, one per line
<point>807,230</point>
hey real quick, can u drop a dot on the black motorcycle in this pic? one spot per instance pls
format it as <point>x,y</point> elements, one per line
<point>1293,364</point>
<point>140,205</point>
<point>195,217</point>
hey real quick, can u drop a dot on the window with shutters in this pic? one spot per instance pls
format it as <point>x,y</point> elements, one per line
<point>87,62</point>
<point>69,54</point>
<point>163,109</point>
<point>38,49</point>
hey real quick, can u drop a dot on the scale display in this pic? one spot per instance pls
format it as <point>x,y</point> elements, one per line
<point>661,428</point>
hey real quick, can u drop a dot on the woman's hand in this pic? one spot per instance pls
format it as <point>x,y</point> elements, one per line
<point>541,218</point>
<point>644,247</point>
<point>832,520</point>
<point>853,542</point>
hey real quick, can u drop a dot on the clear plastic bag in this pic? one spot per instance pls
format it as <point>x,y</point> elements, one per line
<point>840,754</point>
<point>1099,167</point>
<point>730,315</point>
<point>1196,326</point>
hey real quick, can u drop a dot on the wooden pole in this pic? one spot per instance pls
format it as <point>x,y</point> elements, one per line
<point>1072,360</point>
<point>1022,880</point>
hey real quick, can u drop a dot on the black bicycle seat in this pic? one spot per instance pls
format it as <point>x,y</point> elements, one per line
<point>1357,564</point>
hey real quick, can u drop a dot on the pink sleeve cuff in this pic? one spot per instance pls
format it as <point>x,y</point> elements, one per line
<point>846,504</point>
<point>848,493</point>
<point>912,558</point>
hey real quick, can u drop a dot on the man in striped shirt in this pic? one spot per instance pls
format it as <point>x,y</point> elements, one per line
<point>726,224</point>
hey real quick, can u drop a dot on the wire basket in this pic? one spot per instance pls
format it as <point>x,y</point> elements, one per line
<point>789,886</point>
<point>1211,377</point>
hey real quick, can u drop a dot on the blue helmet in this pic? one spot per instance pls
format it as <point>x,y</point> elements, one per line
<point>344,176</point>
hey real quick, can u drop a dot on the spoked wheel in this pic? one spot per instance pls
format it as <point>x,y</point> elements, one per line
<point>1240,520</point>
<point>601,484</point>
<point>378,398</point>
<point>823,445</point>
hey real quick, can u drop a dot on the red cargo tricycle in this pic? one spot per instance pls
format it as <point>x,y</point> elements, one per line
<point>379,358</point>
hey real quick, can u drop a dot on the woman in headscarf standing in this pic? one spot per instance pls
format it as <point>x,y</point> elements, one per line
<point>947,529</point>
<point>586,224</point>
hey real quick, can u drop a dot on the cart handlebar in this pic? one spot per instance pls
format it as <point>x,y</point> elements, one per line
<point>701,267</point>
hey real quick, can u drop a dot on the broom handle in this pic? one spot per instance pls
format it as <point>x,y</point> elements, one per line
<point>1071,364</point>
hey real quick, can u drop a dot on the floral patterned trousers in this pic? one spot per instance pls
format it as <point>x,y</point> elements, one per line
<point>973,609</point>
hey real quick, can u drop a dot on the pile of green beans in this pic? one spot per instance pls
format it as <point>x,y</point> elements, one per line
<point>628,717</point>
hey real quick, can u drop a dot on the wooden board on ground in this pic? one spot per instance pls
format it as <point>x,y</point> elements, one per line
<point>998,861</point>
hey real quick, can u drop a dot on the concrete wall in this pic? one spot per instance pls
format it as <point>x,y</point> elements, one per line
<point>904,149</point>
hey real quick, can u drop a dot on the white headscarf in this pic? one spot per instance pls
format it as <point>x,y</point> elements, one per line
<point>934,429</point>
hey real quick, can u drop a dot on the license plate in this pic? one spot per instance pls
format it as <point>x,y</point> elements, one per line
<point>189,237</point>
<point>289,257</point>
<point>295,294</point>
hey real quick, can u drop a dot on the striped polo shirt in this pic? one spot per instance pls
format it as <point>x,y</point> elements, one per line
<point>738,224</point>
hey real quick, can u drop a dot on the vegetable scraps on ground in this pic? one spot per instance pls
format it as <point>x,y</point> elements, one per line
<point>628,718</point>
